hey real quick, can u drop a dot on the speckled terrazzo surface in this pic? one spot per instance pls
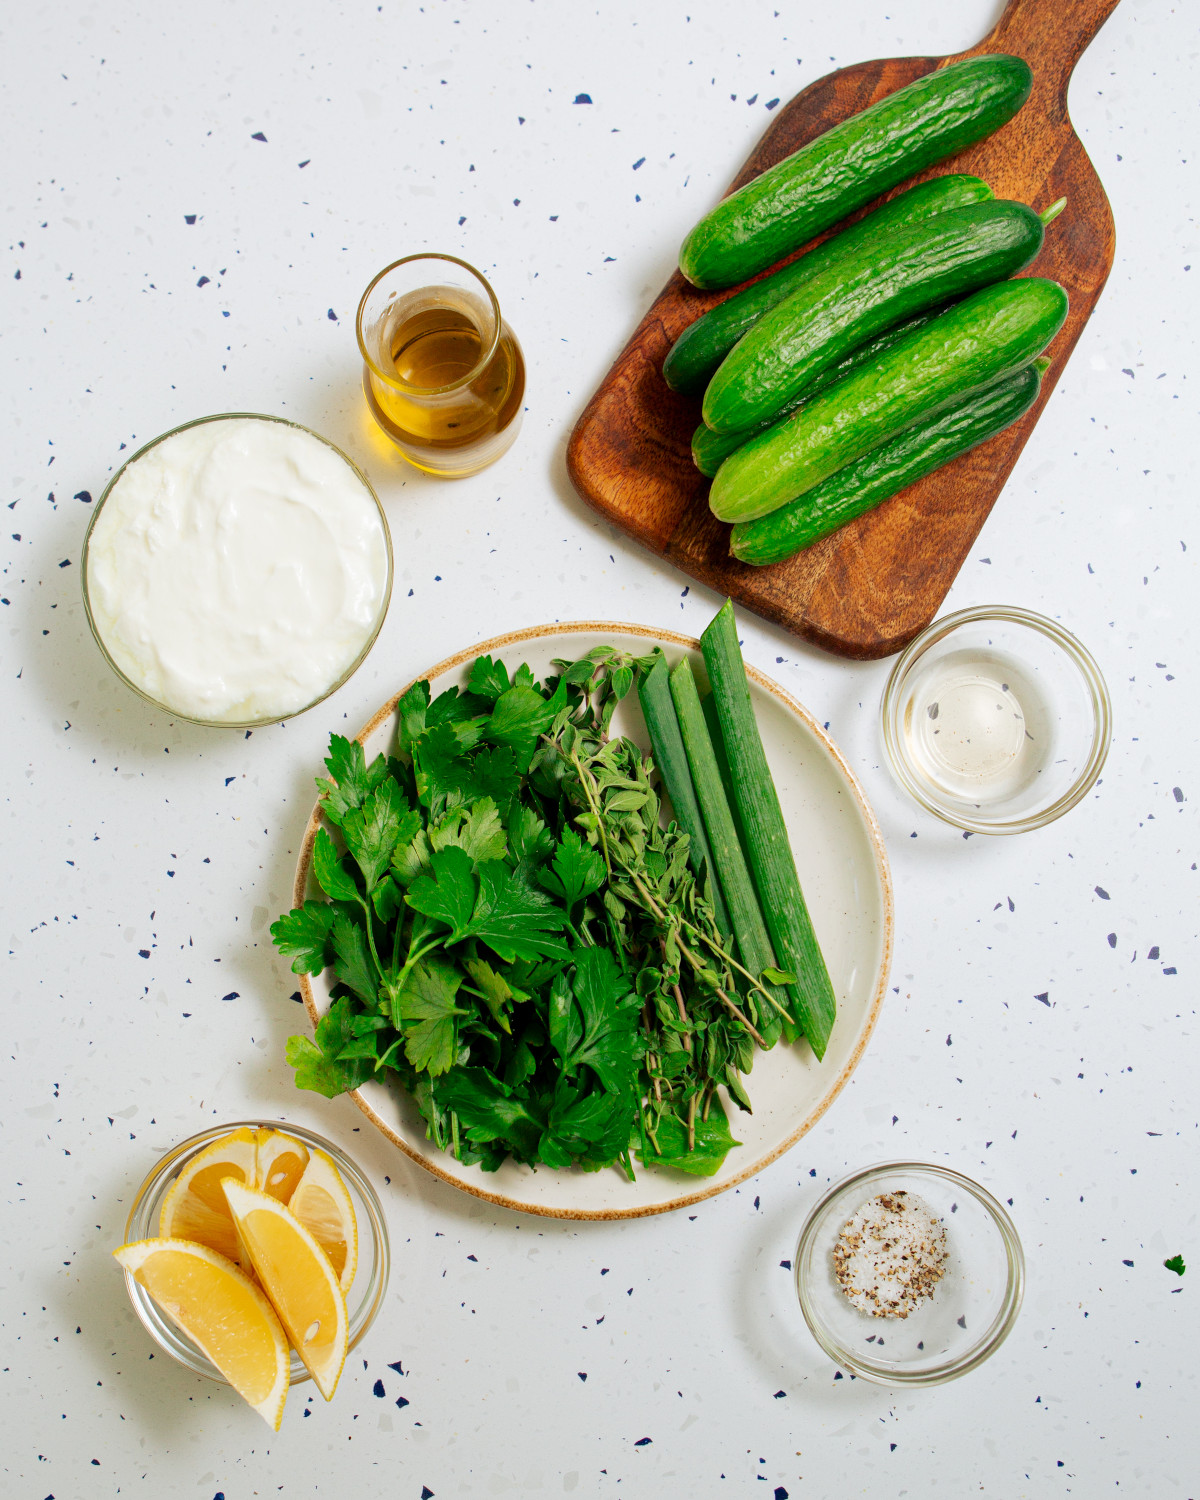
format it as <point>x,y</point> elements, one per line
<point>193,202</point>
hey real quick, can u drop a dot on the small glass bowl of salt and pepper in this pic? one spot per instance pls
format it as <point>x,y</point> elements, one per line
<point>909,1274</point>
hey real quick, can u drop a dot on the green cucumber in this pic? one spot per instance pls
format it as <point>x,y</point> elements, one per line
<point>878,285</point>
<point>710,449</point>
<point>852,163</point>
<point>974,342</point>
<point>754,946</point>
<point>702,346</point>
<point>658,710</point>
<point>888,469</point>
<point>768,850</point>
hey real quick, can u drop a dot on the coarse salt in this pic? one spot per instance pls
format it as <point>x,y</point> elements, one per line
<point>890,1255</point>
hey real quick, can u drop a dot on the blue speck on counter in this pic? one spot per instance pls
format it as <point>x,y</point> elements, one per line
<point>583,98</point>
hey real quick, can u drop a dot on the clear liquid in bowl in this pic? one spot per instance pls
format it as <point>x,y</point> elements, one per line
<point>978,728</point>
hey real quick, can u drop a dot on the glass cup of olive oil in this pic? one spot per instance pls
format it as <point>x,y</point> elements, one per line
<point>443,373</point>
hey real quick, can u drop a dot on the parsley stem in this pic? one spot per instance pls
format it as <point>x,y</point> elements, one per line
<point>366,906</point>
<point>692,1123</point>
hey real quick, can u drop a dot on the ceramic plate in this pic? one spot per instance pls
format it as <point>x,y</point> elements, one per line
<point>843,869</point>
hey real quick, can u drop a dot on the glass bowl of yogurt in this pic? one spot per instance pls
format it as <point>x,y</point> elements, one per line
<point>237,570</point>
<point>909,1273</point>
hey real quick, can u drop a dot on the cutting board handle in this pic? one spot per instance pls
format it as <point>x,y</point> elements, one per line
<point>1051,35</point>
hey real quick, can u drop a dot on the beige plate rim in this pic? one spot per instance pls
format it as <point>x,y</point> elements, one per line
<point>686,1199</point>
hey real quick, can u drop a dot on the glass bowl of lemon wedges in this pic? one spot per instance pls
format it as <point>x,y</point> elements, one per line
<point>257,1254</point>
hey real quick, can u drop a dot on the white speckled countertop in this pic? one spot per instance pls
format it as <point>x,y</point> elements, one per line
<point>194,199</point>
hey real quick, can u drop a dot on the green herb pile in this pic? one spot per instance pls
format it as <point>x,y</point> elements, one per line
<point>517,940</point>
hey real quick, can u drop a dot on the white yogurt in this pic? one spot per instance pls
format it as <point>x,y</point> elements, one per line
<point>237,570</point>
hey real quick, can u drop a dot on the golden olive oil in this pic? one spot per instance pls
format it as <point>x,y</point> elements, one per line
<point>449,386</point>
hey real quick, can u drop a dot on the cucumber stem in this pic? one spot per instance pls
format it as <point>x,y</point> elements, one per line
<point>1048,215</point>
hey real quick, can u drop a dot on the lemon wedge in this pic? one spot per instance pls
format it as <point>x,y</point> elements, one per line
<point>297,1276</point>
<point>322,1204</point>
<point>222,1311</point>
<point>195,1207</point>
<point>279,1164</point>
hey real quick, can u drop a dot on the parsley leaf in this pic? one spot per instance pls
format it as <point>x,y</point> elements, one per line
<point>387,900</point>
<point>412,859</point>
<point>352,961</point>
<point>410,710</point>
<point>316,1061</point>
<point>529,840</point>
<point>453,707</point>
<point>565,1022</point>
<point>495,989</point>
<point>352,779</point>
<point>513,919</point>
<point>495,775</point>
<point>520,715</point>
<point>374,831</point>
<point>590,1127</point>
<point>1175,1264</point>
<point>427,1000</point>
<point>488,678</point>
<point>608,1038</point>
<point>491,904</point>
<point>303,936</point>
<point>448,893</point>
<point>337,884</point>
<point>490,1112</point>
<point>476,830</point>
<point>576,871</point>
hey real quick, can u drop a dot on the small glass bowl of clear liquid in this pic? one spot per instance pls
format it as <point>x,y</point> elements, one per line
<point>996,719</point>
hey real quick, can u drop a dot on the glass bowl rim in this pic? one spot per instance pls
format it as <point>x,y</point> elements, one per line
<point>432,390</point>
<point>165,1334</point>
<point>237,416</point>
<point>947,1369</point>
<point>1079,656</point>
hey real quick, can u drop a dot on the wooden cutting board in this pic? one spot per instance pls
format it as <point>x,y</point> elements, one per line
<point>867,589</point>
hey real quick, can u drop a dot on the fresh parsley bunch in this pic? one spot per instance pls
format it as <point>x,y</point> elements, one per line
<point>517,940</point>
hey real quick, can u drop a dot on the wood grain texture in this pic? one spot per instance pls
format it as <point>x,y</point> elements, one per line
<point>867,589</point>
